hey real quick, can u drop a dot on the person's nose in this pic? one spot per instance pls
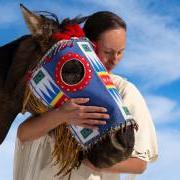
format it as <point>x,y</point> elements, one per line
<point>115,58</point>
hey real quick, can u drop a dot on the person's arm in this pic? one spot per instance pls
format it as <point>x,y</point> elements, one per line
<point>131,165</point>
<point>72,112</point>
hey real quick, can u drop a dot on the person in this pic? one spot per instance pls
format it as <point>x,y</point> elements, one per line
<point>33,144</point>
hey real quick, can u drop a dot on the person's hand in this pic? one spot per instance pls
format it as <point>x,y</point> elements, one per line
<point>73,112</point>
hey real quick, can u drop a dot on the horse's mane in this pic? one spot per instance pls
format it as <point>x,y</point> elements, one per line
<point>6,57</point>
<point>53,17</point>
<point>49,15</point>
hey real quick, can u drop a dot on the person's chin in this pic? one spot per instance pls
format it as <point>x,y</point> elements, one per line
<point>110,68</point>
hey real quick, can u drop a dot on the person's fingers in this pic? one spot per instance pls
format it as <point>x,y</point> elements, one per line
<point>93,122</point>
<point>89,126</point>
<point>93,109</point>
<point>95,116</point>
<point>79,100</point>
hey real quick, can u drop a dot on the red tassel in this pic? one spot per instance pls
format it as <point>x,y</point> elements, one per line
<point>72,30</point>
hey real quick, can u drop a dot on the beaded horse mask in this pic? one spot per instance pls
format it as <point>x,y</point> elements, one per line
<point>71,69</point>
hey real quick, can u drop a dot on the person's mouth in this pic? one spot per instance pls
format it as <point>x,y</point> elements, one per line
<point>110,66</point>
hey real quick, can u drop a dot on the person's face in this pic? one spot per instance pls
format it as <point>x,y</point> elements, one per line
<point>111,46</point>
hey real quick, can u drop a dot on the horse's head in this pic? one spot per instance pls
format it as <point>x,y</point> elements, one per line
<point>21,55</point>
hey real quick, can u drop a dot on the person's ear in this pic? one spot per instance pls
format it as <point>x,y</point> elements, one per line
<point>33,21</point>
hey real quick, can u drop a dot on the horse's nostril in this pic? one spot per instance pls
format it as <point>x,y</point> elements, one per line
<point>115,142</point>
<point>72,72</point>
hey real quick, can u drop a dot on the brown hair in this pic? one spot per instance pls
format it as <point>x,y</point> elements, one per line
<point>100,22</point>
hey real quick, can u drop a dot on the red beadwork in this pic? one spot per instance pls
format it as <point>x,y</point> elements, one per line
<point>80,85</point>
<point>106,79</point>
<point>61,101</point>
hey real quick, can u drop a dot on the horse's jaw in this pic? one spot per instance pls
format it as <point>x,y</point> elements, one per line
<point>114,147</point>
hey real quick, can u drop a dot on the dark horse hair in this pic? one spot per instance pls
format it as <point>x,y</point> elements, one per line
<point>23,54</point>
<point>7,52</point>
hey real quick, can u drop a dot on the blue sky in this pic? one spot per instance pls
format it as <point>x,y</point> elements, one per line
<point>151,62</point>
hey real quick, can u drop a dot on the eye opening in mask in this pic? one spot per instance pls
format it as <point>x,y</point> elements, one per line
<point>72,72</point>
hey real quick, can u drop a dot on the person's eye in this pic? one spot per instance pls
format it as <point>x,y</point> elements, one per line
<point>108,52</point>
<point>120,52</point>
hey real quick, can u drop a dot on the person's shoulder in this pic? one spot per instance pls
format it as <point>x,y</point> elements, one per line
<point>123,83</point>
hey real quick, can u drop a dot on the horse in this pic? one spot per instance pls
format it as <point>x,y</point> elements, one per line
<point>20,55</point>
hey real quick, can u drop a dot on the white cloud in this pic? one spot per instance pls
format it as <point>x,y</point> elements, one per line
<point>163,109</point>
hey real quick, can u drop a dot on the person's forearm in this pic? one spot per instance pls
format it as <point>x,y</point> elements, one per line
<point>131,165</point>
<point>36,127</point>
<point>72,112</point>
